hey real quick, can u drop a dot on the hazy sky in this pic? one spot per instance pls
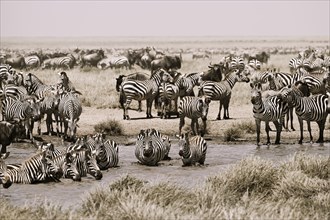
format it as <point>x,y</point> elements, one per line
<point>164,18</point>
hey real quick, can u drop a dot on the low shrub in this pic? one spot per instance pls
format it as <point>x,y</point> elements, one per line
<point>109,127</point>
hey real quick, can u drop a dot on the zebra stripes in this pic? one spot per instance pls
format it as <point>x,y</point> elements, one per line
<point>222,90</point>
<point>150,147</point>
<point>70,109</point>
<point>269,109</point>
<point>65,62</point>
<point>194,108</point>
<point>312,108</point>
<point>141,90</point>
<point>4,176</point>
<point>87,164</point>
<point>168,92</point>
<point>187,83</point>
<point>38,168</point>
<point>32,62</point>
<point>192,150</point>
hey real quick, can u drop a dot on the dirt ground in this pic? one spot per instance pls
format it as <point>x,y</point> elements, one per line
<point>216,128</point>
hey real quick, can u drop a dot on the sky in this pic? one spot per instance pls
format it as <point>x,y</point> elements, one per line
<point>52,18</point>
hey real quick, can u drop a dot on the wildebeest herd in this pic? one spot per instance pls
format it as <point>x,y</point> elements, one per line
<point>25,99</point>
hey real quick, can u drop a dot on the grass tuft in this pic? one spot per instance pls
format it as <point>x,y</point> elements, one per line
<point>109,127</point>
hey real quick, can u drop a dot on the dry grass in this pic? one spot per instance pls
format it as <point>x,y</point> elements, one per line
<point>251,189</point>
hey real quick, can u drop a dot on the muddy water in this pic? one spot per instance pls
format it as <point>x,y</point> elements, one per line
<point>70,194</point>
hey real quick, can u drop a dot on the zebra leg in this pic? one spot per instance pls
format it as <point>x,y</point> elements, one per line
<point>140,106</point>
<point>310,131</point>
<point>278,131</point>
<point>301,125</point>
<point>204,127</point>
<point>291,118</point>
<point>49,124</point>
<point>194,126</point>
<point>181,124</point>
<point>225,108</point>
<point>258,122</point>
<point>220,107</point>
<point>321,130</point>
<point>125,109</point>
<point>149,105</point>
<point>267,132</point>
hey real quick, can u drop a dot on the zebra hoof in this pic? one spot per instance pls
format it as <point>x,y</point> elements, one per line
<point>4,155</point>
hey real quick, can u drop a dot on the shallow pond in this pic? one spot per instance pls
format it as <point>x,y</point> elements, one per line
<point>69,194</point>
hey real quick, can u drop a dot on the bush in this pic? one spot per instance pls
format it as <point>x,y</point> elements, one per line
<point>233,133</point>
<point>109,127</point>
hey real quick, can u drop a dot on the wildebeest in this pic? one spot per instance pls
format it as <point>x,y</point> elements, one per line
<point>167,63</point>
<point>17,62</point>
<point>8,132</point>
<point>214,73</point>
<point>200,55</point>
<point>92,59</point>
<point>262,57</point>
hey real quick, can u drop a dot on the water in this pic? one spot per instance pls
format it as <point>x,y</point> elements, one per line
<point>70,194</point>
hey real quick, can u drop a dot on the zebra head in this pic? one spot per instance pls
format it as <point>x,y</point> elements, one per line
<point>92,167</point>
<point>4,176</point>
<point>70,166</point>
<point>256,93</point>
<point>184,145</point>
<point>203,106</point>
<point>49,170</point>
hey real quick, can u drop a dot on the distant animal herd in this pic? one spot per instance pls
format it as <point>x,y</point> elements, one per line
<point>25,99</point>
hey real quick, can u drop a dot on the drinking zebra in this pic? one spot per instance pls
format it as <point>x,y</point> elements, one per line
<point>268,109</point>
<point>141,90</point>
<point>312,108</point>
<point>192,149</point>
<point>194,108</point>
<point>4,176</point>
<point>150,147</point>
<point>222,90</point>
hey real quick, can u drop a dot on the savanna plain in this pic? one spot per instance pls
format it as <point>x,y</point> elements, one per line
<point>238,181</point>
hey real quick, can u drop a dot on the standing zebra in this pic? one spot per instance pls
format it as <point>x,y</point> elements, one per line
<point>187,83</point>
<point>23,112</point>
<point>4,176</point>
<point>192,150</point>
<point>32,61</point>
<point>150,147</point>
<point>269,109</point>
<point>312,108</point>
<point>64,62</point>
<point>70,109</point>
<point>168,92</point>
<point>141,90</point>
<point>194,108</point>
<point>222,90</point>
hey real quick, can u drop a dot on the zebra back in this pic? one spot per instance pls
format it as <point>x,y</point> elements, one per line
<point>192,149</point>
<point>194,107</point>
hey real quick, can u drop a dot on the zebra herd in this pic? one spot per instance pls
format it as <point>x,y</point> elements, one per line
<point>25,99</point>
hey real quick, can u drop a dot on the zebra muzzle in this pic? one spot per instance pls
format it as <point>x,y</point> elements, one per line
<point>181,153</point>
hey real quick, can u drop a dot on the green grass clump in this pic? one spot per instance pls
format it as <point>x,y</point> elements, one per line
<point>109,127</point>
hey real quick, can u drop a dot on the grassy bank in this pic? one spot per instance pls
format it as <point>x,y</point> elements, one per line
<point>251,189</point>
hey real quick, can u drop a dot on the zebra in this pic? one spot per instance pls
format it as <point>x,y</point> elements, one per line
<point>106,150</point>
<point>119,62</point>
<point>87,163</point>
<point>268,109</point>
<point>150,147</point>
<point>194,108</point>
<point>22,111</point>
<point>4,176</point>
<point>69,110</point>
<point>140,90</point>
<point>294,64</point>
<point>187,83</point>
<point>35,86</point>
<point>64,62</point>
<point>36,169</point>
<point>222,90</point>
<point>32,61</point>
<point>312,108</point>
<point>192,149</point>
<point>237,63</point>
<point>168,92</point>
<point>67,162</point>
